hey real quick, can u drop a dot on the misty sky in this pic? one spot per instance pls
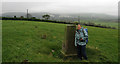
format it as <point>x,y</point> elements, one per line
<point>62,6</point>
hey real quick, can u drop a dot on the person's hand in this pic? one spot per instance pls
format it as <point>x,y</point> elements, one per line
<point>81,39</point>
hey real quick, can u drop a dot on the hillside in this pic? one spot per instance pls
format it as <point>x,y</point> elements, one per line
<point>22,40</point>
<point>67,17</point>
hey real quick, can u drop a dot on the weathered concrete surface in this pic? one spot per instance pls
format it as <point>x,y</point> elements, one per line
<point>68,47</point>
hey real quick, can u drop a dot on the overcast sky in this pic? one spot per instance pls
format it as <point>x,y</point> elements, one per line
<point>62,6</point>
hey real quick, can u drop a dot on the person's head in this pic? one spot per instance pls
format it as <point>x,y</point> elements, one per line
<point>79,26</point>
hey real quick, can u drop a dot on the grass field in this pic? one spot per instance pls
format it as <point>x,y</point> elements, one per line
<point>0,41</point>
<point>22,40</point>
<point>111,24</point>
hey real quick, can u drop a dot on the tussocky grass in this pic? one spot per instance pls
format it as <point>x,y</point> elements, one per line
<point>22,40</point>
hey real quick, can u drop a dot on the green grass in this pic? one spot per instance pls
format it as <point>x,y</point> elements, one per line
<point>0,41</point>
<point>22,40</point>
<point>111,24</point>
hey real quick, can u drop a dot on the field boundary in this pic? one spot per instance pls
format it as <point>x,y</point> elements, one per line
<point>61,22</point>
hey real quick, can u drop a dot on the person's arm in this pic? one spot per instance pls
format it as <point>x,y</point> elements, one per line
<point>75,42</point>
<point>77,37</point>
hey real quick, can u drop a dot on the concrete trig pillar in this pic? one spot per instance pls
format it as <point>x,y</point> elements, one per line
<point>68,47</point>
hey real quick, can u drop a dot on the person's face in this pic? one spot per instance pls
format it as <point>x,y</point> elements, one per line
<point>79,27</point>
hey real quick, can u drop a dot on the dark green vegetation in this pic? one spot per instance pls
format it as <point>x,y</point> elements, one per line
<point>22,40</point>
<point>46,17</point>
<point>101,24</point>
<point>0,41</point>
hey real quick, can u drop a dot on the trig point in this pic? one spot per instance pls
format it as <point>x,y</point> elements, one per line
<point>68,46</point>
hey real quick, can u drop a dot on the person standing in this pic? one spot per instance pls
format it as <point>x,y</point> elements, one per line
<point>80,42</point>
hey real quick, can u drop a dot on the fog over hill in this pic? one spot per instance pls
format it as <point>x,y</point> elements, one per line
<point>66,17</point>
<point>65,10</point>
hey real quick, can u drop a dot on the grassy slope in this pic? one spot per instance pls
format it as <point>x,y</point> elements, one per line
<point>0,41</point>
<point>111,24</point>
<point>22,40</point>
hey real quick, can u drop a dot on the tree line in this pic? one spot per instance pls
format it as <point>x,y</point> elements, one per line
<point>46,18</point>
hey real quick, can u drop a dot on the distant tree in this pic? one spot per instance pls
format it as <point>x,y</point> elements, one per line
<point>46,17</point>
<point>21,17</point>
<point>33,17</point>
<point>15,17</point>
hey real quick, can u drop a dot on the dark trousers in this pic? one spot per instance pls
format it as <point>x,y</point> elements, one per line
<point>81,51</point>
